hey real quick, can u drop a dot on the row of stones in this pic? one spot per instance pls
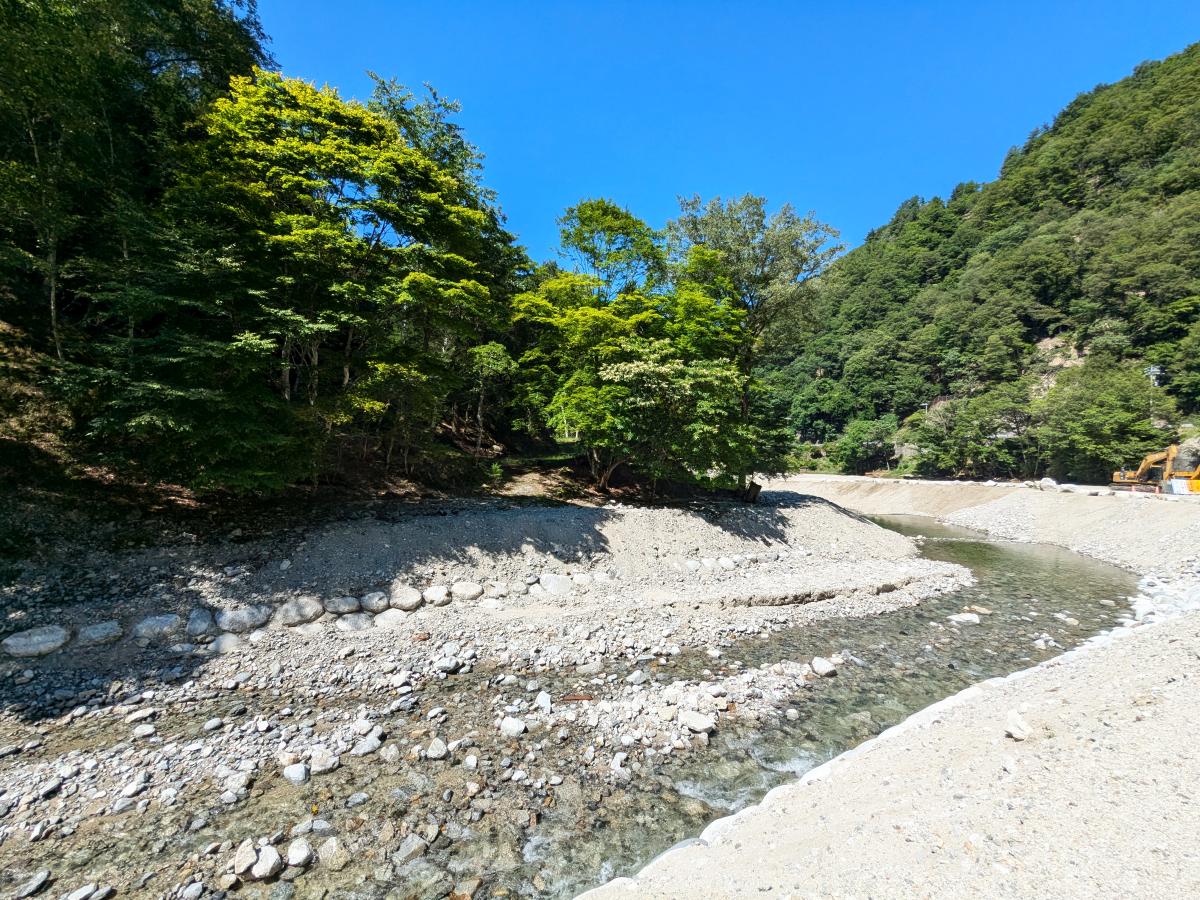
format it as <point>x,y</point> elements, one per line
<point>377,608</point>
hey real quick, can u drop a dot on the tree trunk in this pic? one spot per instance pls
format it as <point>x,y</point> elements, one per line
<point>52,290</point>
<point>479,421</point>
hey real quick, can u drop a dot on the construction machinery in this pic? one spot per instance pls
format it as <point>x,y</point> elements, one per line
<point>1175,470</point>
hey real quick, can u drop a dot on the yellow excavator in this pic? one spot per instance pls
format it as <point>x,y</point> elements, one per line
<point>1175,470</point>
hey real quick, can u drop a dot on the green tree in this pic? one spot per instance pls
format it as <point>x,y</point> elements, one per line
<point>1100,416</point>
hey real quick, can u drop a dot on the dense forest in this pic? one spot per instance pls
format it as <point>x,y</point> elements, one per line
<point>215,275</point>
<point>1011,329</point>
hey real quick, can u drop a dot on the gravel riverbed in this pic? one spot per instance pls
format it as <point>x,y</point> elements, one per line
<point>396,708</point>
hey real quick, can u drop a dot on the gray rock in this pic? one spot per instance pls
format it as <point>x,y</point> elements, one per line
<point>144,730</point>
<point>200,621</point>
<point>466,590</point>
<point>391,618</point>
<point>376,601</point>
<point>36,641</point>
<point>405,597</point>
<point>697,722</point>
<point>967,618</point>
<point>369,744</point>
<point>436,595</point>
<point>595,667</point>
<point>33,885</point>
<point>333,855</point>
<point>243,618</point>
<point>297,773</point>
<point>437,749</point>
<point>299,611</point>
<point>321,760</point>
<point>299,853</point>
<point>543,702</point>
<point>157,627</point>
<point>244,857</point>
<point>556,584</point>
<point>99,633</point>
<point>340,606</point>
<point>512,727</point>
<point>412,847</point>
<point>823,667</point>
<point>269,863</point>
<point>355,622</point>
<point>193,891</point>
<point>638,676</point>
<point>227,643</point>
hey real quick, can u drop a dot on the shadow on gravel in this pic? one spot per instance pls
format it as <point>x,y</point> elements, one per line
<point>70,679</point>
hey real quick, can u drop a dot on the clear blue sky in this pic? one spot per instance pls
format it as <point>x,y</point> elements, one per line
<point>845,108</point>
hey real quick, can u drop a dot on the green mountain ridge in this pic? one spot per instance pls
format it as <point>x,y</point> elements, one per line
<point>1090,235</point>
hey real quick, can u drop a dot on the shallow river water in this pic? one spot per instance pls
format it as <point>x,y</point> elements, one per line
<point>1039,600</point>
<point>900,662</point>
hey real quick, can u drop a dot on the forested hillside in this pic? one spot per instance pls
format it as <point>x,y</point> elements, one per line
<point>1007,329</point>
<point>217,276</point>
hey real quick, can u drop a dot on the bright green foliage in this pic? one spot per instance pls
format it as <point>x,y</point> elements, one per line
<point>988,434</point>
<point>866,444</point>
<point>1089,241</point>
<point>1099,417</point>
<point>639,372</point>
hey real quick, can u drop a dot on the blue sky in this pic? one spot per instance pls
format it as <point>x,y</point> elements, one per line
<point>843,108</point>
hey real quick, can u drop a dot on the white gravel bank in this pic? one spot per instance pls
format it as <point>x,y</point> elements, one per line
<point>1096,798</point>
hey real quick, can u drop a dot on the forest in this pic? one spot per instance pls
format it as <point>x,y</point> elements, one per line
<point>217,276</point>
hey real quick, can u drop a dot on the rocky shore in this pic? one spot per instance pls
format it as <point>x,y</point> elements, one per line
<point>395,708</point>
<point>1012,784</point>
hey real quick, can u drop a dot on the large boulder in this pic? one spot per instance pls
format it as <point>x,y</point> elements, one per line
<point>466,590</point>
<point>556,584</point>
<point>154,628</point>
<point>243,618</point>
<point>391,618</point>
<point>405,597</point>
<point>99,633</point>
<point>437,595</point>
<point>359,621</point>
<point>374,602</point>
<point>341,606</point>
<point>36,641</point>
<point>299,610</point>
<point>200,621</point>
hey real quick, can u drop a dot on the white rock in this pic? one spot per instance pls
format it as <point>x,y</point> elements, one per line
<point>200,621</point>
<point>269,863</point>
<point>555,584</point>
<point>437,595</point>
<point>321,760</point>
<point>157,627</point>
<point>99,633</point>
<point>512,727</point>
<point>296,773</point>
<point>466,590</point>
<point>404,597</point>
<point>966,618</point>
<point>299,853</point>
<point>390,618</point>
<point>823,667</point>
<point>1016,727</point>
<point>697,722</point>
<point>436,749</point>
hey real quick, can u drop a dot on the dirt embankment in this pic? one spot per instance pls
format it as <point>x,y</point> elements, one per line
<point>1141,532</point>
